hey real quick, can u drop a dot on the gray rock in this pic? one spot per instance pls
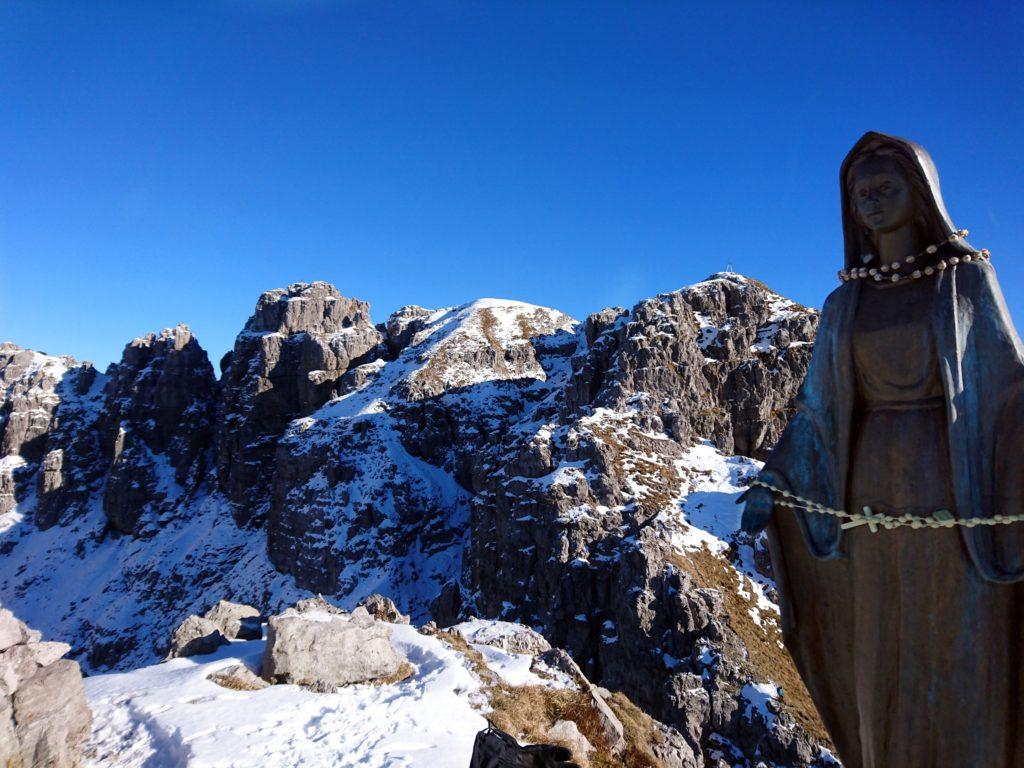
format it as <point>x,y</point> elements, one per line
<point>45,653</point>
<point>12,631</point>
<point>52,717</point>
<point>509,637</point>
<point>47,409</point>
<point>317,605</point>
<point>238,677</point>
<point>17,665</point>
<point>196,636</point>
<point>384,609</point>
<point>614,732</point>
<point>567,734</point>
<point>9,749</point>
<point>324,650</point>
<point>558,659</point>
<point>673,750</point>
<point>236,621</point>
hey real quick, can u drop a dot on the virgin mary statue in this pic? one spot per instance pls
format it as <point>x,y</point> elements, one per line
<point>893,501</point>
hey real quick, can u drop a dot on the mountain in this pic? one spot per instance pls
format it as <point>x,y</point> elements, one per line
<point>495,459</point>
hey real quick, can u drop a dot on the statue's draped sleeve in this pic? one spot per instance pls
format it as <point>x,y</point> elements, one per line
<point>812,456</point>
<point>983,376</point>
<point>982,367</point>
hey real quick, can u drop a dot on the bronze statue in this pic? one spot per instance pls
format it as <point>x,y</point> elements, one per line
<point>893,502</point>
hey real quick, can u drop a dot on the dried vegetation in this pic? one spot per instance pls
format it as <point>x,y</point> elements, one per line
<point>528,711</point>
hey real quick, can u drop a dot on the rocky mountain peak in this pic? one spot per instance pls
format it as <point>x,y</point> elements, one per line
<point>156,425</point>
<point>286,363</point>
<point>485,340</point>
<point>317,308</point>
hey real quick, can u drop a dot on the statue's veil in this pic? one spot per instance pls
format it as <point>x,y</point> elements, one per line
<point>936,220</point>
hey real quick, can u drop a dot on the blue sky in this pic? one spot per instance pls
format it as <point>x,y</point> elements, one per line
<point>167,162</point>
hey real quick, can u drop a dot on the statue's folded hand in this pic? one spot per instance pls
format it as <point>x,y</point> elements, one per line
<point>758,505</point>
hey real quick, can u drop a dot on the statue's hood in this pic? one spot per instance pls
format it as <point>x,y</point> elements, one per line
<point>922,161</point>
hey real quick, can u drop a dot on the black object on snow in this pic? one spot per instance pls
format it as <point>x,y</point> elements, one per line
<point>494,748</point>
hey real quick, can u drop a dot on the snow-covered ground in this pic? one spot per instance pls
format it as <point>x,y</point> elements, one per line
<point>170,715</point>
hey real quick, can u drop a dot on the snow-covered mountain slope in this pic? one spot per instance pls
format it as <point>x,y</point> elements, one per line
<point>170,715</point>
<point>494,459</point>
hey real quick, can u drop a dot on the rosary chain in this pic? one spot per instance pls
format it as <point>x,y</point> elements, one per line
<point>941,519</point>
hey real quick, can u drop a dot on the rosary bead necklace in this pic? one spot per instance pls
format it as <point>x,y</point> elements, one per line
<point>883,272</point>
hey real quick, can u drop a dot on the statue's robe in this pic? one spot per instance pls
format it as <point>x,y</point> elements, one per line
<point>910,641</point>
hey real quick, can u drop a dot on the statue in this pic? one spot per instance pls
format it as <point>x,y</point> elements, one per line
<point>893,501</point>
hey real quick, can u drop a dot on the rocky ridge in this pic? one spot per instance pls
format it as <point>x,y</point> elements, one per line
<point>44,717</point>
<point>494,459</point>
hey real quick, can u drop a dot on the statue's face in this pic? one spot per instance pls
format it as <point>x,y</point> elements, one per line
<point>882,196</point>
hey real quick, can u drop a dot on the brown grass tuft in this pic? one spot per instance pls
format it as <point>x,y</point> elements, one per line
<point>768,659</point>
<point>404,672</point>
<point>528,711</point>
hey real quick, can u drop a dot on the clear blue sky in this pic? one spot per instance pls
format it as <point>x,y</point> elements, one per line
<point>167,162</point>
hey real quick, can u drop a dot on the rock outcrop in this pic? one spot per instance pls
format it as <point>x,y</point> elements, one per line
<point>384,609</point>
<point>324,650</point>
<point>44,717</point>
<point>575,530</point>
<point>54,455</point>
<point>196,636</point>
<point>156,426</point>
<point>236,621</point>
<point>238,677</point>
<point>286,363</point>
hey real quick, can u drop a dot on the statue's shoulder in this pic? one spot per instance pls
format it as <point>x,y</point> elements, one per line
<point>837,298</point>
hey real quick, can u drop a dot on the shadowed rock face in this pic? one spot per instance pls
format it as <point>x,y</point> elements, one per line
<point>54,454</point>
<point>286,363</point>
<point>722,358</point>
<point>570,532</point>
<point>156,426</point>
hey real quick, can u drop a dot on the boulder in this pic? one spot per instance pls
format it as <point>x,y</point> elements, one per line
<point>238,677</point>
<point>196,636</point>
<point>509,637</point>
<point>17,664</point>
<point>45,653</point>
<point>317,605</point>
<point>323,650</point>
<point>12,631</point>
<point>384,609</point>
<point>559,660</point>
<point>567,734</point>
<point>52,717</point>
<point>236,621</point>
<point>44,717</point>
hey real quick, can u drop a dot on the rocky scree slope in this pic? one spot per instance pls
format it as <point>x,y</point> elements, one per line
<point>496,459</point>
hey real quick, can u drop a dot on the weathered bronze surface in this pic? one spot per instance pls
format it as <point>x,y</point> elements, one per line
<point>909,640</point>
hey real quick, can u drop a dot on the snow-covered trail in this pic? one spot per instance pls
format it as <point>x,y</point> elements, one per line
<point>170,716</point>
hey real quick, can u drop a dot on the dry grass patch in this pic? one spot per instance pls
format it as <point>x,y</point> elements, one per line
<point>768,658</point>
<point>639,730</point>
<point>404,672</point>
<point>235,683</point>
<point>528,711</point>
<point>660,481</point>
